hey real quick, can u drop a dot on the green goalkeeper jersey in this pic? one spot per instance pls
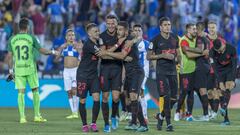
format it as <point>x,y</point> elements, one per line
<point>22,47</point>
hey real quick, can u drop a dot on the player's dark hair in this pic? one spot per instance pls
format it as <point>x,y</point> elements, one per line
<point>162,19</point>
<point>200,25</point>
<point>69,30</point>
<point>189,25</point>
<point>124,24</point>
<point>111,16</point>
<point>90,26</point>
<point>212,22</point>
<point>217,44</point>
<point>23,24</point>
<point>137,25</point>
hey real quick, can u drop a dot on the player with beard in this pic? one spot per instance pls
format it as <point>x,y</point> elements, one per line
<point>134,75</point>
<point>188,66</point>
<point>110,73</point>
<point>202,68</point>
<point>164,48</point>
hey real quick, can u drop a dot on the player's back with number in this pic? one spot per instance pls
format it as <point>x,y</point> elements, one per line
<point>22,46</point>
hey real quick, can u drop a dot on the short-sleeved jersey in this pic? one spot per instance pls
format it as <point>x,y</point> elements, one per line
<point>142,48</point>
<point>160,45</point>
<point>203,61</point>
<point>22,47</point>
<point>226,62</point>
<point>89,62</point>
<point>211,45</point>
<point>134,66</point>
<point>218,37</point>
<point>109,41</point>
<point>71,52</point>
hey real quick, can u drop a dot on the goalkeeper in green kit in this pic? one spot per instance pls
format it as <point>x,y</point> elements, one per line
<point>21,56</point>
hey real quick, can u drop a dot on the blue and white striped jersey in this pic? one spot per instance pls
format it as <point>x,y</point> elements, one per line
<point>142,48</point>
<point>70,51</point>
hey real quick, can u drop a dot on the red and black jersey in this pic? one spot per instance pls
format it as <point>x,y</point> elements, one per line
<point>109,41</point>
<point>203,43</point>
<point>218,37</point>
<point>225,63</point>
<point>89,61</point>
<point>211,46</point>
<point>160,45</point>
<point>134,66</point>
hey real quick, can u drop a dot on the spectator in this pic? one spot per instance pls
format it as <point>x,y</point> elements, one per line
<point>3,44</point>
<point>39,24</point>
<point>55,12</point>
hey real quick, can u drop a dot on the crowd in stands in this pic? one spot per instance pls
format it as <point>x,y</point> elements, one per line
<point>50,19</point>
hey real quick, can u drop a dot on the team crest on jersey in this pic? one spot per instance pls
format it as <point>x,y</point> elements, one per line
<point>150,45</point>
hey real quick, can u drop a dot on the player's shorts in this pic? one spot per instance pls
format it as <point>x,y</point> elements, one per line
<point>110,78</point>
<point>167,85</point>
<point>69,77</point>
<point>201,79</point>
<point>187,82</point>
<point>226,77</point>
<point>84,85</point>
<point>212,82</point>
<point>133,82</point>
<point>32,80</point>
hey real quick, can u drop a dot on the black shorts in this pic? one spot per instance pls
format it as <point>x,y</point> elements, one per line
<point>110,78</point>
<point>133,82</point>
<point>226,77</point>
<point>85,85</point>
<point>201,79</point>
<point>167,85</point>
<point>186,82</point>
<point>212,82</point>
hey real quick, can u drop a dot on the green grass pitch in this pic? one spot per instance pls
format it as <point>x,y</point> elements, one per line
<point>58,125</point>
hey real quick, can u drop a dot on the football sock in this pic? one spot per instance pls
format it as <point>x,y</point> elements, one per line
<point>190,100</point>
<point>140,115</point>
<point>95,111</point>
<point>134,107</point>
<point>205,104</point>
<point>21,104</point>
<point>115,108</point>
<point>105,112</point>
<point>36,103</point>
<point>83,114</point>
<point>144,106</point>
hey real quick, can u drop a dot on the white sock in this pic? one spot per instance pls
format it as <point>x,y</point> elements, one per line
<point>75,104</point>
<point>144,107</point>
<point>71,104</point>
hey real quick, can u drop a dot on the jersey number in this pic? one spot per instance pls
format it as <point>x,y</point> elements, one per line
<point>23,49</point>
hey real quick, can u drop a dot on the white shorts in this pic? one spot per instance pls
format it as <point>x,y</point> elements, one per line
<point>69,77</point>
<point>144,82</point>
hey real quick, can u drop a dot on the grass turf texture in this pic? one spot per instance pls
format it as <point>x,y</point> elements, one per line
<point>57,124</point>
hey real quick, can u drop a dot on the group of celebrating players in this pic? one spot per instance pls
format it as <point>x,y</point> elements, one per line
<point>117,62</point>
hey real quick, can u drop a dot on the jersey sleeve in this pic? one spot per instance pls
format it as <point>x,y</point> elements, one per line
<point>36,43</point>
<point>184,43</point>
